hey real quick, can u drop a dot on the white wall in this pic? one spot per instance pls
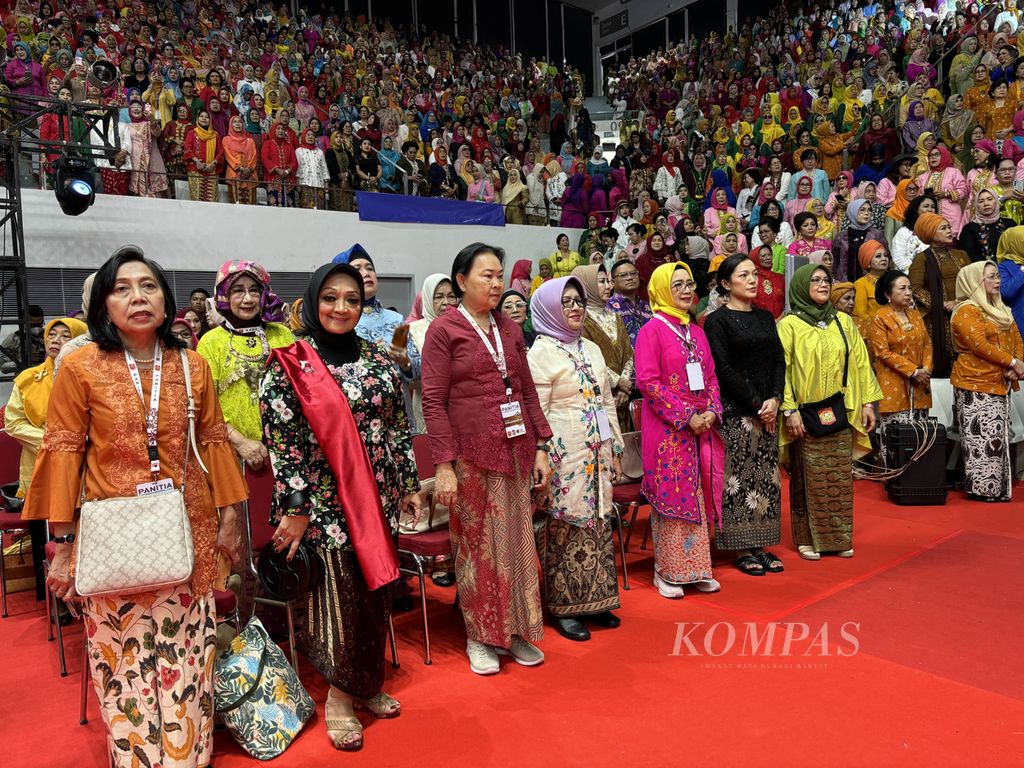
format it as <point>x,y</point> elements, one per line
<point>186,235</point>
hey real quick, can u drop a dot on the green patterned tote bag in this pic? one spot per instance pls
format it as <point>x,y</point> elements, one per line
<point>258,695</point>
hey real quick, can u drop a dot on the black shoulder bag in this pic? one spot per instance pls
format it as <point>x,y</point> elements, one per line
<point>828,417</point>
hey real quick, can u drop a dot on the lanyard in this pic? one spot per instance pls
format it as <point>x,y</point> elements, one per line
<point>587,364</point>
<point>154,403</point>
<point>497,355</point>
<point>687,342</point>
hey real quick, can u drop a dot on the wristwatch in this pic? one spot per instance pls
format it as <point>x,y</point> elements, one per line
<point>67,538</point>
<point>788,413</point>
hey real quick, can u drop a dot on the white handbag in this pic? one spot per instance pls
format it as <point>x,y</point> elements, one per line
<point>134,544</point>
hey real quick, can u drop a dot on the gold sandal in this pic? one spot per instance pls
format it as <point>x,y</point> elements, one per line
<point>341,733</point>
<point>345,733</point>
<point>380,705</point>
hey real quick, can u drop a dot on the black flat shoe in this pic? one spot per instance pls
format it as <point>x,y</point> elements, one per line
<point>608,620</point>
<point>571,629</point>
<point>443,579</point>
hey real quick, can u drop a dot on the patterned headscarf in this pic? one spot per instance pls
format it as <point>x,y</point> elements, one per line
<point>271,306</point>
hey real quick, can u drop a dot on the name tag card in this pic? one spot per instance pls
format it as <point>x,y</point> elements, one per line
<point>512,415</point>
<point>695,377</point>
<point>157,486</point>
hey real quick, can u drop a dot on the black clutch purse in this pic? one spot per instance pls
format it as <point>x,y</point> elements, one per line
<point>828,417</point>
<point>285,581</point>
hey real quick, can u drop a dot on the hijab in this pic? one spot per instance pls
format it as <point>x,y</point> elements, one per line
<point>992,218</point>
<point>970,291</point>
<point>271,306</point>
<point>800,302</point>
<point>851,213</point>
<point>36,383</point>
<point>866,253</point>
<point>1010,248</point>
<point>659,291</point>
<point>521,270</point>
<point>335,348</point>
<point>513,187</point>
<point>418,327</point>
<point>899,204</point>
<point>587,276</point>
<point>839,290</point>
<point>956,120</point>
<point>546,309</point>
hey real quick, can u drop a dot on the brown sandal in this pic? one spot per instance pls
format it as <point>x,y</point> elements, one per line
<point>380,705</point>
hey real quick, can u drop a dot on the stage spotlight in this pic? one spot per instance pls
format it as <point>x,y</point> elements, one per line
<point>74,184</point>
<point>103,74</point>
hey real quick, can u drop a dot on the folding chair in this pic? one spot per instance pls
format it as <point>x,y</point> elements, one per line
<point>420,551</point>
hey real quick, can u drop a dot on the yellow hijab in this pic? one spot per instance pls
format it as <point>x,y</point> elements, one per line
<point>35,383</point>
<point>659,291</point>
<point>1011,246</point>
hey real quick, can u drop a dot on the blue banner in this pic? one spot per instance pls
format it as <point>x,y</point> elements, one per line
<point>379,206</point>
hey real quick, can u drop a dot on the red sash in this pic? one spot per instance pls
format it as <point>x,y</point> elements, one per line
<point>328,413</point>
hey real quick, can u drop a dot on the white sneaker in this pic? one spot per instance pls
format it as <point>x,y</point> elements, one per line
<point>671,591</point>
<point>482,658</point>
<point>522,652</point>
<point>708,585</point>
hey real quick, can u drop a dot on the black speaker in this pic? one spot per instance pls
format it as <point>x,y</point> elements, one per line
<point>924,481</point>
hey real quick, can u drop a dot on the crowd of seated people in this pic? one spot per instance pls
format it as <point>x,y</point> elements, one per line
<point>310,108</point>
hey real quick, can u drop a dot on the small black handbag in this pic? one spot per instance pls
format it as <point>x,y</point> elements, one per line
<point>285,581</point>
<point>828,417</point>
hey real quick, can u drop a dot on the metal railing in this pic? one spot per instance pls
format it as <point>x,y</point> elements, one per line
<point>321,196</point>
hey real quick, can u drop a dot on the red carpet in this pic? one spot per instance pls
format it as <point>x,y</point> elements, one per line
<point>937,678</point>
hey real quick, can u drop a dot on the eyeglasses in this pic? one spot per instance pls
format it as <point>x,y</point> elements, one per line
<point>821,281</point>
<point>516,305</point>
<point>689,285</point>
<point>571,302</point>
<point>627,275</point>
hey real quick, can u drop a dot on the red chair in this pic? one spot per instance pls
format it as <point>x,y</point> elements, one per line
<point>629,495</point>
<point>419,551</point>
<point>258,532</point>
<point>10,518</point>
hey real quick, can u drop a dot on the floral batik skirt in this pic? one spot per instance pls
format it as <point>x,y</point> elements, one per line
<point>495,556</point>
<point>682,550</point>
<point>751,489</point>
<point>151,656</point>
<point>578,567</point>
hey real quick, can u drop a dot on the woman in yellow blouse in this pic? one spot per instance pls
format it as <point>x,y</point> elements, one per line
<point>988,366</point>
<point>902,352</point>
<point>820,344</point>
<point>563,261</point>
<point>874,259</point>
<point>25,415</point>
<point>238,351</point>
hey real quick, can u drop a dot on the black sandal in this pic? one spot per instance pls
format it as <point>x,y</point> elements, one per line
<point>769,562</point>
<point>744,564</point>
